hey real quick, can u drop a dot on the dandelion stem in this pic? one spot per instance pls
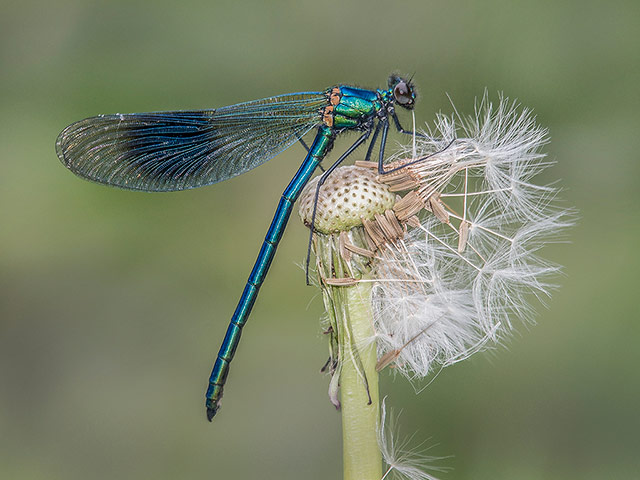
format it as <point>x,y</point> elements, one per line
<point>359,387</point>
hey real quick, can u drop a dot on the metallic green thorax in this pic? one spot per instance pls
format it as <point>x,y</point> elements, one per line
<point>356,105</point>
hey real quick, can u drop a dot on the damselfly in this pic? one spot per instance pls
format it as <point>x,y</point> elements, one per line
<point>168,151</point>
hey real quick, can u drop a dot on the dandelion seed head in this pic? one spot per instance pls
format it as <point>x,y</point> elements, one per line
<point>460,279</point>
<point>348,195</point>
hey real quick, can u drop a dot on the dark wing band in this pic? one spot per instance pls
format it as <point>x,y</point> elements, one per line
<point>166,151</point>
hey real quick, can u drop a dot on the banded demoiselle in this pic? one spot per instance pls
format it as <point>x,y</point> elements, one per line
<point>168,151</point>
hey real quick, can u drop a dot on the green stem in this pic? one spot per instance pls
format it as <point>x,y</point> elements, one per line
<point>361,453</point>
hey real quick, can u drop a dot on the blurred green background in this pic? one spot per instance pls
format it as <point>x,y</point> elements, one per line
<point>113,303</point>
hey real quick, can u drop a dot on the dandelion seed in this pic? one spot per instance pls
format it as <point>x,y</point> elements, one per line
<point>402,461</point>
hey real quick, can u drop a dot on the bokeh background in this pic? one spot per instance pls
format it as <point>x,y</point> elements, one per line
<point>113,303</point>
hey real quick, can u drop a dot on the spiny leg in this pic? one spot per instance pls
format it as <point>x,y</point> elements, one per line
<point>323,178</point>
<point>373,142</point>
<point>399,127</point>
<point>382,171</point>
<point>383,143</point>
<point>306,147</point>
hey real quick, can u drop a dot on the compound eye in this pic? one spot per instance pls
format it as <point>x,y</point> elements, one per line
<point>402,94</point>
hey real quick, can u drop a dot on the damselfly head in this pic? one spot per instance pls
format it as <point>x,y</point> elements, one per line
<point>403,92</point>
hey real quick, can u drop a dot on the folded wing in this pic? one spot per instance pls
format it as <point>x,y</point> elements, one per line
<point>166,151</point>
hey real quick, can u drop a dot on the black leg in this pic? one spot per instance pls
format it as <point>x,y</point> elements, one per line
<point>323,178</point>
<point>421,159</point>
<point>373,142</point>
<point>381,169</point>
<point>396,122</point>
<point>307,149</point>
<point>383,144</point>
